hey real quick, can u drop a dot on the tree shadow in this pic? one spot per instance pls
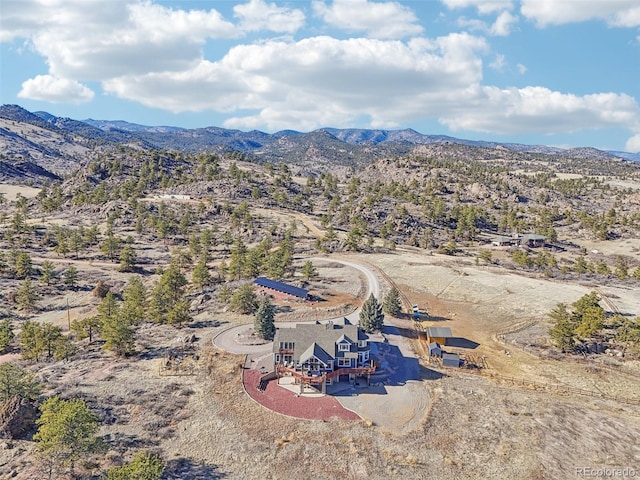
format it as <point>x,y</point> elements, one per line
<point>183,468</point>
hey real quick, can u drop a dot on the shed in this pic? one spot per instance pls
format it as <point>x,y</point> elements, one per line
<point>435,350</point>
<point>450,360</point>
<point>281,287</point>
<point>438,334</point>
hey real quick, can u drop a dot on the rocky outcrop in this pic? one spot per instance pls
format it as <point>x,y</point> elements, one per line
<point>17,418</point>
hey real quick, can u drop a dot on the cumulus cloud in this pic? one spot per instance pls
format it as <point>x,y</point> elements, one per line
<point>377,19</point>
<point>522,69</point>
<point>540,110</point>
<point>483,6</point>
<point>260,15</point>
<point>619,13</point>
<point>318,80</point>
<point>633,144</point>
<point>55,90</point>
<point>502,27</point>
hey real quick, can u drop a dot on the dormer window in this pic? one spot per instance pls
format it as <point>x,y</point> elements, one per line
<point>362,343</point>
<point>343,347</point>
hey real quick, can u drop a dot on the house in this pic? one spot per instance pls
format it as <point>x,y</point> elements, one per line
<point>501,241</point>
<point>280,289</point>
<point>532,240</point>
<point>322,353</point>
<point>438,335</point>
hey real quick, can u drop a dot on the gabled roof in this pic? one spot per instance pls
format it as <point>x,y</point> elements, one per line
<point>281,287</point>
<point>315,350</point>
<point>439,332</point>
<point>324,335</point>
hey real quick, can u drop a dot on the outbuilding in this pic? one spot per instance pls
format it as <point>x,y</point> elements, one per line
<point>450,360</point>
<point>438,335</point>
<point>280,289</point>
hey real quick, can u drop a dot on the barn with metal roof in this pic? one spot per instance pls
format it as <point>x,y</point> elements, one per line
<point>438,335</point>
<point>281,287</point>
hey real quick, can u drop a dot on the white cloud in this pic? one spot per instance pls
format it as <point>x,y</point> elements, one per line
<point>483,6</point>
<point>498,63</point>
<point>259,15</point>
<point>55,90</point>
<point>503,26</point>
<point>540,110</point>
<point>317,81</point>
<point>620,13</point>
<point>522,69</point>
<point>382,20</point>
<point>101,39</point>
<point>633,144</point>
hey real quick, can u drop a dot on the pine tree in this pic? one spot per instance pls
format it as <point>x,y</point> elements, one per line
<point>6,334</point>
<point>66,432</point>
<point>27,296</point>
<point>371,316</point>
<point>47,272</point>
<point>244,300</point>
<point>134,308</point>
<point>17,382</point>
<point>143,466</point>
<point>308,270</point>
<point>263,322</point>
<point>71,277</point>
<point>201,276</point>
<point>392,304</point>
<point>127,259</point>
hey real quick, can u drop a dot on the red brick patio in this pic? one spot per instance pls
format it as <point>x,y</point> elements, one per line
<point>283,401</point>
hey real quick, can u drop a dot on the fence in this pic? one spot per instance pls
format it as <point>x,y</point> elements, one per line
<point>564,389</point>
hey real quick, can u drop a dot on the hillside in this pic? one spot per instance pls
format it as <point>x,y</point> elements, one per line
<point>130,262</point>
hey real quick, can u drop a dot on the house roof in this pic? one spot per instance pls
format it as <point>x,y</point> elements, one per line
<point>439,332</point>
<point>533,236</point>
<point>317,351</point>
<point>450,360</point>
<point>501,239</point>
<point>281,287</point>
<point>324,335</point>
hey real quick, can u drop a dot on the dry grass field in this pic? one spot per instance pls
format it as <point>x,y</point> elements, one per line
<point>468,425</point>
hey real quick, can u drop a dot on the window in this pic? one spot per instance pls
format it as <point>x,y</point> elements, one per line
<point>287,345</point>
<point>343,347</point>
<point>344,362</point>
<point>362,343</point>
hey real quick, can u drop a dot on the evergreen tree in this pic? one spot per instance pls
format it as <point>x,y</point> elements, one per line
<point>201,276</point>
<point>143,466</point>
<point>87,327</point>
<point>66,433</point>
<point>167,293</point>
<point>127,259</point>
<point>244,300</point>
<point>6,334</point>
<point>47,272</point>
<point>308,270</point>
<point>27,295</point>
<point>134,308</point>
<point>119,335</point>
<point>263,322</point>
<point>392,304</point>
<point>70,277</point>
<point>371,316</point>
<point>17,382</point>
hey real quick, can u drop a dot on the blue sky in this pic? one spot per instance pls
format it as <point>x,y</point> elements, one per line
<point>553,72</point>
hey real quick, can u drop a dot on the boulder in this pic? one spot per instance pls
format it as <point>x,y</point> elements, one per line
<point>17,418</point>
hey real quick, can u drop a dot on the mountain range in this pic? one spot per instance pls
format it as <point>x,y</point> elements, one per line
<point>38,144</point>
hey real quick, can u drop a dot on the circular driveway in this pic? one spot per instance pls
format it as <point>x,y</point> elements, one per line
<point>227,340</point>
